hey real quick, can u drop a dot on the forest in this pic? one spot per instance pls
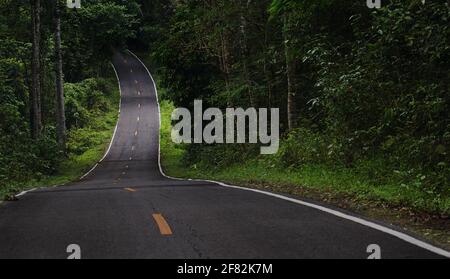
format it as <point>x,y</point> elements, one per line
<point>363,93</point>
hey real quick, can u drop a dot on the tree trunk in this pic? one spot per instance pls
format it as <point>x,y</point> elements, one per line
<point>225,58</point>
<point>290,74</point>
<point>244,7</point>
<point>267,68</point>
<point>60,110</point>
<point>35,96</point>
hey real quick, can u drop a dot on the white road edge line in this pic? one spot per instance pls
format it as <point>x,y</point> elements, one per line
<point>400,235</point>
<point>115,129</point>
<point>24,193</point>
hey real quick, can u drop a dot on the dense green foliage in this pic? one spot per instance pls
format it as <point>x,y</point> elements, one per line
<point>91,34</point>
<point>371,86</point>
<point>89,37</point>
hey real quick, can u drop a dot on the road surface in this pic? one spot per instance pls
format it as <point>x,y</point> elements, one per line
<point>125,207</point>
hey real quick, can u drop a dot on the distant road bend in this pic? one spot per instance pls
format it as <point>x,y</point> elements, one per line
<point>125,207</point>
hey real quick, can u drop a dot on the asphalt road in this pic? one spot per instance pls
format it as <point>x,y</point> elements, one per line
<point>125,208</point>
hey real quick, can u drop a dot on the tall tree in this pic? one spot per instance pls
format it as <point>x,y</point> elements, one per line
<point>285,9</point>
<point>244,10</point>
<point>60,110</point>
<point>290,70</point>
<point>35,96</point>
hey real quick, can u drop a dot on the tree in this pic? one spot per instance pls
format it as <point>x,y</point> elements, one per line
<point>35,96</point>
<point>244,9</point>
<point>60,110</point>
<point>291,66</point>
<point>285,7</point>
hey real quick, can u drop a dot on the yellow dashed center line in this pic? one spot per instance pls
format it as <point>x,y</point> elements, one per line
<point>163,226</point>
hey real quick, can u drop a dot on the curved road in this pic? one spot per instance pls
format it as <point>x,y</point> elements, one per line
<point>125,208</point>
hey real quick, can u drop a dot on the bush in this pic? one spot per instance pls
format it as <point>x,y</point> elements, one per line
<point>302,147</point>
<point>219,156</point>
<point>85,100</point>
<point>81,140</point>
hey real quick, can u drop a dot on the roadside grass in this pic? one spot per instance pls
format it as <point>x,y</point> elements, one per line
<point>94,138</point>
<point>313,181</point>
<point>100,133</point>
